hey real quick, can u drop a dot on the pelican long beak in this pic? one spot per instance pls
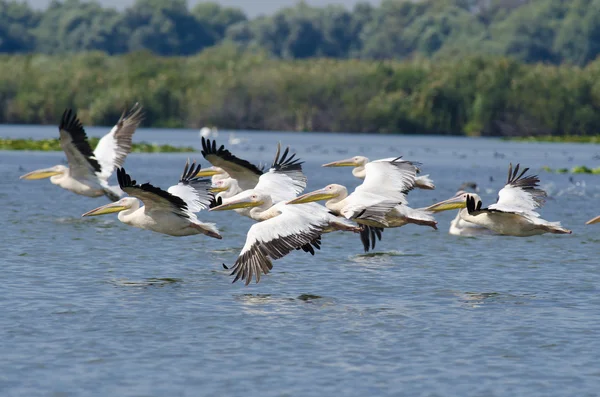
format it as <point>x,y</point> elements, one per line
<point>592,221</point>
<point>454,203</point>
<point>317,195</point>
<point>341,163</point>
<point>218,189</point>
<point>236,204</point>
<point>106,209</point>
<point>40,174</point>
<point>210,171</point>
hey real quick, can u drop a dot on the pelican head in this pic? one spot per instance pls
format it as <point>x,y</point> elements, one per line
<point>592,221</point>
<point>46,172</point>
<point>122,205</point>
<point>220,186</point>
<point>356,161</point>
<point>246,199</point>
<point>458,201</point>
<point>212,171</point>
<point>327,193</point>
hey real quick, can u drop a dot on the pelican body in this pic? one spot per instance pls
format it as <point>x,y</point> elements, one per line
<point>169,212</point>
<point>280,230</point>
<point>88,170</point>
<point>378,203</point>
<point>513,214</point>
<point>359,171</point>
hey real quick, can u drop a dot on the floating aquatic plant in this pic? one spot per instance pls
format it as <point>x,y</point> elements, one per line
<point>48,145</point>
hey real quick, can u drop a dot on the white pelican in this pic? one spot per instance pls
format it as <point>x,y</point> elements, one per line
<point>226,165</point>
<point>594,220</point>
<point>460,227</point>
<point>169,212</point>
<point>359,171</point>
<point>280,230</point>
<point>513,214</point>
<point>379,202</point>
<point>232,175</point>
<point>88,170</point>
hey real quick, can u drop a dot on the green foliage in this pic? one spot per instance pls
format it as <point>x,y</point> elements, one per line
<point>231,88</point>
<point>48,145</point>
<point>548,31</point>
<point>580,169</point>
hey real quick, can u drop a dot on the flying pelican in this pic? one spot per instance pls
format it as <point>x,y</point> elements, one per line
<point>513,214</point>
<point>458,226</point>
<point>592,221</point>
<point>379,202</point>
<point>88,170</point>
<point>231,175</point>
<point>359,171</point>
<point>169,212</point>
<point>280,230</point>
<point>226,165</point>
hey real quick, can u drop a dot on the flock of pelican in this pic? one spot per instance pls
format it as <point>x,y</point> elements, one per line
<point>286,219</point>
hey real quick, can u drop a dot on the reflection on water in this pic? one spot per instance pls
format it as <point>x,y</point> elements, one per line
<point>150,282</point>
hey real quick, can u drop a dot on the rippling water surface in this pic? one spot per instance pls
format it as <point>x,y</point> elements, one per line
<point>93,307</point>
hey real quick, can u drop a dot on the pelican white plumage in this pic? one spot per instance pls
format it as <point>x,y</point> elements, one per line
<point>379,202</point>
<point>594,220</point>
<point>460,227</point>
<point>280,230</point>
<point>170,212</point>
<point>359,163</point>
<point>514,212</point>
<point>88,170</point>
<point>226,165</point>
<point>231,175</point>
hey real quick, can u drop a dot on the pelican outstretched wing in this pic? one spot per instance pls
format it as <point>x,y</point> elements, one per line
<point>190,195</point>
<point>520,194</point>
<point>385,186</point>
<point>246,173</point>
<point>296,227</point>
<point>285,179</point>
<point>74,142</point>
<point>194,191</point>
<point>114,147</point>
<point>392,178</point>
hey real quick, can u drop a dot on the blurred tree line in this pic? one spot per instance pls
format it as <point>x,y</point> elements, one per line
<point>550,31</point>
<point>234,88</point>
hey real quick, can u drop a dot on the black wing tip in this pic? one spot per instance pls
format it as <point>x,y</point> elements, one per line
<point>529,183</point>
<point>189,173</point>
<point>369,236</point>
<point>209,147</point>
<point>124,179</point>
<point>70,122</point>
<point>284,163</point>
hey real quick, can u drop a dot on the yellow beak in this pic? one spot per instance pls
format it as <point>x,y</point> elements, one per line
<point>341,163</point>
<point>592,221</point>
<point>106,209</point>
<point>454,203</point>
<point>317,195</point>
<point>233,205</point>
<point>40,174</point>
<point>218,189</point>
<point>211,171</point>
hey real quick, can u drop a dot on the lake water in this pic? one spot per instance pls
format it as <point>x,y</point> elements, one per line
<point>95,308</point>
